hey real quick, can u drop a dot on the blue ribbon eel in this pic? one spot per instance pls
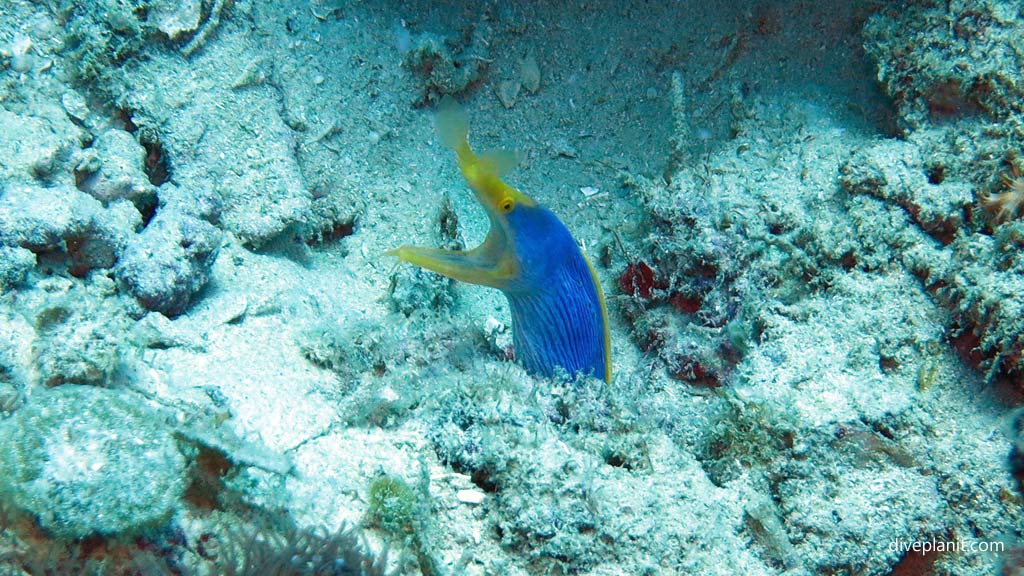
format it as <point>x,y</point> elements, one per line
<point>559,317</point>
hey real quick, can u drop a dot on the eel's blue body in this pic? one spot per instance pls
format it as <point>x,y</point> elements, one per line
<point>558,317</point>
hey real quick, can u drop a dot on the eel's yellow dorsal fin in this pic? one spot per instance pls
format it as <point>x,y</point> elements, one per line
<point>604,320</point>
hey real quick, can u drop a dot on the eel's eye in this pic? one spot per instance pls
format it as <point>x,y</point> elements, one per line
<point>507,205</point>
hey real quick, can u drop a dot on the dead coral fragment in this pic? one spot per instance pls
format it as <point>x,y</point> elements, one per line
<point>1004,206</point>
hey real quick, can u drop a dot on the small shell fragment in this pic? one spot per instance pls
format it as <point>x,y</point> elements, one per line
<point>589,191</point>
<point>507,92</point>
<point>178,18</point>
<point>75,105</point>
<point>529,73</point>
<point>470,496</point>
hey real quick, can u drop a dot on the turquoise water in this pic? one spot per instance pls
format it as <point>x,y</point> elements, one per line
<point>805,220</point>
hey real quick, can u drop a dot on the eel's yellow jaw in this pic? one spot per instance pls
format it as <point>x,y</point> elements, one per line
<point>492,263</point>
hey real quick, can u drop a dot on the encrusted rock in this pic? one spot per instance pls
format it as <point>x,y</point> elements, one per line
<point>65,220</point>
<point>443,70</point>
<point>87,460</point>
<point>43,218</point>
<point>115,168</point>
<point>15,262</point>
<point>36,147</point>
<point>893,171</point>
<point>169,262</point>
<point>78,339</point>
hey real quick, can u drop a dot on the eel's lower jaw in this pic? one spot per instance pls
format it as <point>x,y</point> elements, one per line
<point>483,267</point>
